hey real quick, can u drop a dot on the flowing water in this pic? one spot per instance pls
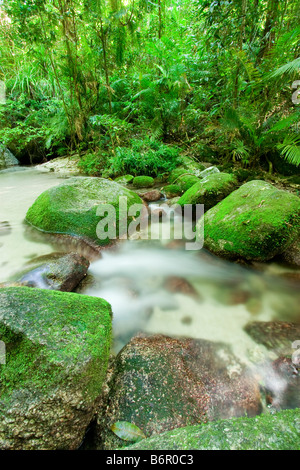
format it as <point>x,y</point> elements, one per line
<point>157,286</point>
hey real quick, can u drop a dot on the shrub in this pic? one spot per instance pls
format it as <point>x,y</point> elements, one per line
<point>144,157</point>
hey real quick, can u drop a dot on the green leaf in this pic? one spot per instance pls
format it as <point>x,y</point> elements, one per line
<point>127,431</point>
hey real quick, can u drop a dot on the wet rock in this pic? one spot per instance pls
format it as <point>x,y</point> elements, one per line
<point>279,431</point>
<point>255,222</point>
<point>274,335</point>
<point>285,374</point>
<point>151,196</point>
<point>292,255</point>
<point>182,286</point>
<point>57,348</point>
<point>159,383</point>
<point>58,271</point>
<point>210,190</point>
<point>72,208</point>
<point>158,212</point>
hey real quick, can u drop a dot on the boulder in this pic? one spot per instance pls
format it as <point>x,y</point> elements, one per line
<point>57,349</point>
<point>7,159</point>
<point>186,181</point>
<point>125,179</point>
<point>255,222</point>
<point>71,208</point>
<point>274,335</point>
<point>292,255</point>
<point>58,271</point>
<point>279,431</point>
<point>210,190</point>
<point>151,196</point>
<point>172,190</point>
<point>160,383</point>
<point>143,182</point>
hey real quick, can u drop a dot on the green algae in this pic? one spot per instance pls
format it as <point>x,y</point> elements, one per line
<point>71,207</point>
<point>210,190</point>
<point>279,431</point>
<point>257,221</point>
<point>53,338</point>
<point>143,182</point>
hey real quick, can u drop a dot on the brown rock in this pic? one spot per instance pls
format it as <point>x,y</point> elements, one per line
<point>152,196</point>
<point>274,335</point>
<point>180,285</point>
<point>160,383</point>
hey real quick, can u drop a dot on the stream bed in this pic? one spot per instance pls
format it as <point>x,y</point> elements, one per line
<point>156,286</point>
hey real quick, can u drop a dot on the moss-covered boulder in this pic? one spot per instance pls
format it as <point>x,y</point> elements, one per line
<point>57,271</point>
<point>160,383</point>
<point>125,179</point>
<point>279,431</point>
<point>143,182</point>
<point>210,190</point>
<point>192,165</point>
<point>57,349</point>
<point>255,222</point>
<point>71,208</point>
<point>172,190</point>
<point>185,182</point>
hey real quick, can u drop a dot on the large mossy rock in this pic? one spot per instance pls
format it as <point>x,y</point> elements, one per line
<point>185,182</point>
<point>210,190</point>
<point>279,431</point>
<point>255,222</point>
<point>160,383</point>
<point>57,349</point>
<point>71,207</point>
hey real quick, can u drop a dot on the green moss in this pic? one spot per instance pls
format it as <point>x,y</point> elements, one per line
<point>124,179</point>
<point>257,221</point>
<point>172,190</point>
<point>186,181</point>
<point>143,181</point>
<point>210,190</point>
<point>71,207</point>
<point>280,431</point>
<point>53,337</point>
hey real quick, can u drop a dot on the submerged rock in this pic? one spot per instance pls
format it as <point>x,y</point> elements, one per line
<point>159,383</point>
<point>255,222</point>
<point>274,335</point>
<point>71,208</point>
<point>57,348</point>
<point>210,190</point>
<point>279,431</point>
<point>58,271</point>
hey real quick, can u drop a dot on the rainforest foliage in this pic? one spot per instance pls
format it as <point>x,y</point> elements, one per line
<point>115,80</point>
